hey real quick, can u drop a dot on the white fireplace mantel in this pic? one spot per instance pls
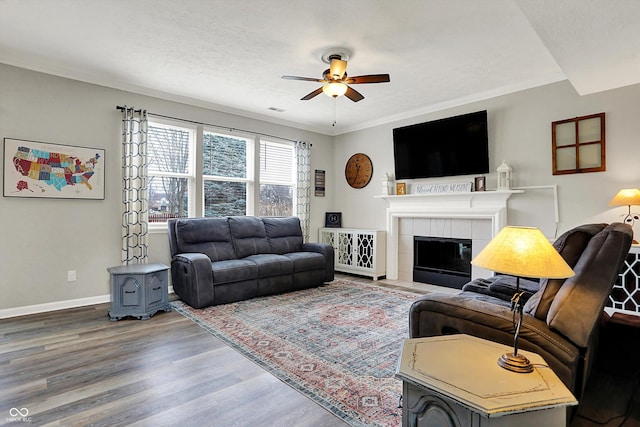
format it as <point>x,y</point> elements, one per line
<point>490,205</point>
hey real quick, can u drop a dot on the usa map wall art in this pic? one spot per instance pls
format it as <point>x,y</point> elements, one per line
<point>38,169</point>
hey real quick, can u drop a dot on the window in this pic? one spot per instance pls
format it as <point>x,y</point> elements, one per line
<point>277,184</point>
<point>226,169</point>
<point>218,176</point>
<point>170,170</point>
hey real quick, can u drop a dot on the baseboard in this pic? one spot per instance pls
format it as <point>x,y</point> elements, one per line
<point>6,313</point>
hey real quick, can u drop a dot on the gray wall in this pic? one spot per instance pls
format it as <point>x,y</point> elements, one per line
<point>520,133</point>
<point>41,239</point>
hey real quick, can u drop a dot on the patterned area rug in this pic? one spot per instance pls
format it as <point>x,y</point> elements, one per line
<point>338,344</point>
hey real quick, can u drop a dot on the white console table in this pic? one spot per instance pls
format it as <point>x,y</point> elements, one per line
<point>357,251</point>
<point>455,380</point>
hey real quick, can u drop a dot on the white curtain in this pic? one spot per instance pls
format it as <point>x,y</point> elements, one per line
<point>303,170</point>
<point>135,216</point>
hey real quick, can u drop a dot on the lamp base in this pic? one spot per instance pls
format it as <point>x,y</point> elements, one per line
<point>515,363</point>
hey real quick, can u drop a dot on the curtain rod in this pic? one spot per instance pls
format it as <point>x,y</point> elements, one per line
<point>119,107</point>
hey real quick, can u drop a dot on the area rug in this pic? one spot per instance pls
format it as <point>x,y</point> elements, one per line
<point>337,344</point>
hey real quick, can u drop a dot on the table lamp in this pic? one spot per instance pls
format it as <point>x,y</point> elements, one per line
<point>627,197</point>
<point>521,252</point>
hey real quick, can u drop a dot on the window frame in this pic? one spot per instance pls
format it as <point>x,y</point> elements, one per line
<point>197,179</point>
<point>190,175</point>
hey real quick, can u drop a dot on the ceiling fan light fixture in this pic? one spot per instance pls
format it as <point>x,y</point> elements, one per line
<point>334,89</point>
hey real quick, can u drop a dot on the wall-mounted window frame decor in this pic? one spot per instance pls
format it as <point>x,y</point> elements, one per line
<point>41,169</point>
<point>578,145</point>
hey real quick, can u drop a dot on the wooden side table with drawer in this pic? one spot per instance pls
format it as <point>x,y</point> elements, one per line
<point>139,291</point>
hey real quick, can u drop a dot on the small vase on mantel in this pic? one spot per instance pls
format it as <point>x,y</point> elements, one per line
<point>504,176</point>
<point>387,185</point>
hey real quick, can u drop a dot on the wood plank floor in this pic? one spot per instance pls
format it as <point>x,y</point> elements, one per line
<point>77,368</point>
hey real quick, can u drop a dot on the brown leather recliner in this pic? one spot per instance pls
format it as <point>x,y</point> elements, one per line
<point>561,318</point>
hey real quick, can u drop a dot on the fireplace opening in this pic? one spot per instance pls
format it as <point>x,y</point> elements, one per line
<point>442,261</point>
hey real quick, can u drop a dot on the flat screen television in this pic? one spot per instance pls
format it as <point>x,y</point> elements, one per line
<point>447,147</point>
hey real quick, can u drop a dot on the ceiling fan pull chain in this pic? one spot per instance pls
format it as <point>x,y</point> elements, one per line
<point>335,101</point>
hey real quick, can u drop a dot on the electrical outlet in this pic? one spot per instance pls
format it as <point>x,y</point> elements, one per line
<point>71,276</point>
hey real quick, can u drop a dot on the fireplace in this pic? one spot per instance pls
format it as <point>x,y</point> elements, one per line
<point>442,261</point>
<point>478,215</point>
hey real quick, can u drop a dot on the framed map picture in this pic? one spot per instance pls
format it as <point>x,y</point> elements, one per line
<point>39,169</point>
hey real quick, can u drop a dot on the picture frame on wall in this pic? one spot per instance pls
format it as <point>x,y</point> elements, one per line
<point>479,183</point>
<point>333,219</point>
<point>47,170</point>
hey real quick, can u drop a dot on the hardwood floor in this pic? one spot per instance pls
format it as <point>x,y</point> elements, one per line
<point>77,368</point>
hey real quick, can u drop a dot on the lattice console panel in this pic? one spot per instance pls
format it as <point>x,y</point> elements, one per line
<point>357,251</point>
<point>345,248</point>
<point>366,244</point>
<point>626,291</point>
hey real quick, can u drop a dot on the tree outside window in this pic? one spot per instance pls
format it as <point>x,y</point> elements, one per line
<point>169,153</point>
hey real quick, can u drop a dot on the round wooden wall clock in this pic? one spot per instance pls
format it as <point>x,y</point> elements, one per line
<point>358,170</point>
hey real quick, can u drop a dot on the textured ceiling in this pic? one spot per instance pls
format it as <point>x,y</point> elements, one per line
<point>230,54</point>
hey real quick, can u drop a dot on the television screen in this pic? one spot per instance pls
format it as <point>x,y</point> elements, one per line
<point>447,147</point>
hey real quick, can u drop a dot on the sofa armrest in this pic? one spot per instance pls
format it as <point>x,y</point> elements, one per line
<point>192,279</point>
<point>327,252</point>
<point>438,314</point>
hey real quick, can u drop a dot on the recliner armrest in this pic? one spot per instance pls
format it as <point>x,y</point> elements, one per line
<point>436,314</point>
<point>327,252</point>
<point>192,278</point>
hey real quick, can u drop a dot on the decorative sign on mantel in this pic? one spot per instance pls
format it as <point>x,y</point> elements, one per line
<point>443,188</point>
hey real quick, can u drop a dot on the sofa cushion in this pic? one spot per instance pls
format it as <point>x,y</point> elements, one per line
<point>249,236</point>
<point>284,234</point>
<point>271,264</point>
<point>210,236</point>
<point>233,270</point>
<point>570,246</point>
<point>305,261</point>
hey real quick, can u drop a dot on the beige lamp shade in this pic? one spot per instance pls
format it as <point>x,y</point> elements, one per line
<point>523,252</point>
<point>626,197</point>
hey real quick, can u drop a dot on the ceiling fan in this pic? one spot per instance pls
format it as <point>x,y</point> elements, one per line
<point>335,79</point>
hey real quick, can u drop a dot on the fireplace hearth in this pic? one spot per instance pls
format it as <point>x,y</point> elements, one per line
<point>442,261</point>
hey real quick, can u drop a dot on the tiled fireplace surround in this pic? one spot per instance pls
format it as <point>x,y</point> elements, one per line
<point>477,216</point>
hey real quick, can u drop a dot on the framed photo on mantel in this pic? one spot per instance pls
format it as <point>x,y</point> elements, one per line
<point>479,183</point>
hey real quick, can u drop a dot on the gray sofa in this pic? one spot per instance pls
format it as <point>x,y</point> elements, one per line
<point>561,317</point>
<point>221,260</point>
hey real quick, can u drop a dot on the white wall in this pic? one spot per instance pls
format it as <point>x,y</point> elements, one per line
<point>41,239</point>
<point>520,133</point>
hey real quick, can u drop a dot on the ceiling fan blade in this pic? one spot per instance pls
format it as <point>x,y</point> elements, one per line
<point>352,94</point>
<point>372,78</point>
<point>306,79</point>
<point>338,68</point>
<point>312,94</point>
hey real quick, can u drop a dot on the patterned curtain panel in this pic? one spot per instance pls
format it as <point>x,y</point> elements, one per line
<point>303,169</point>
<point>135,216</point>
